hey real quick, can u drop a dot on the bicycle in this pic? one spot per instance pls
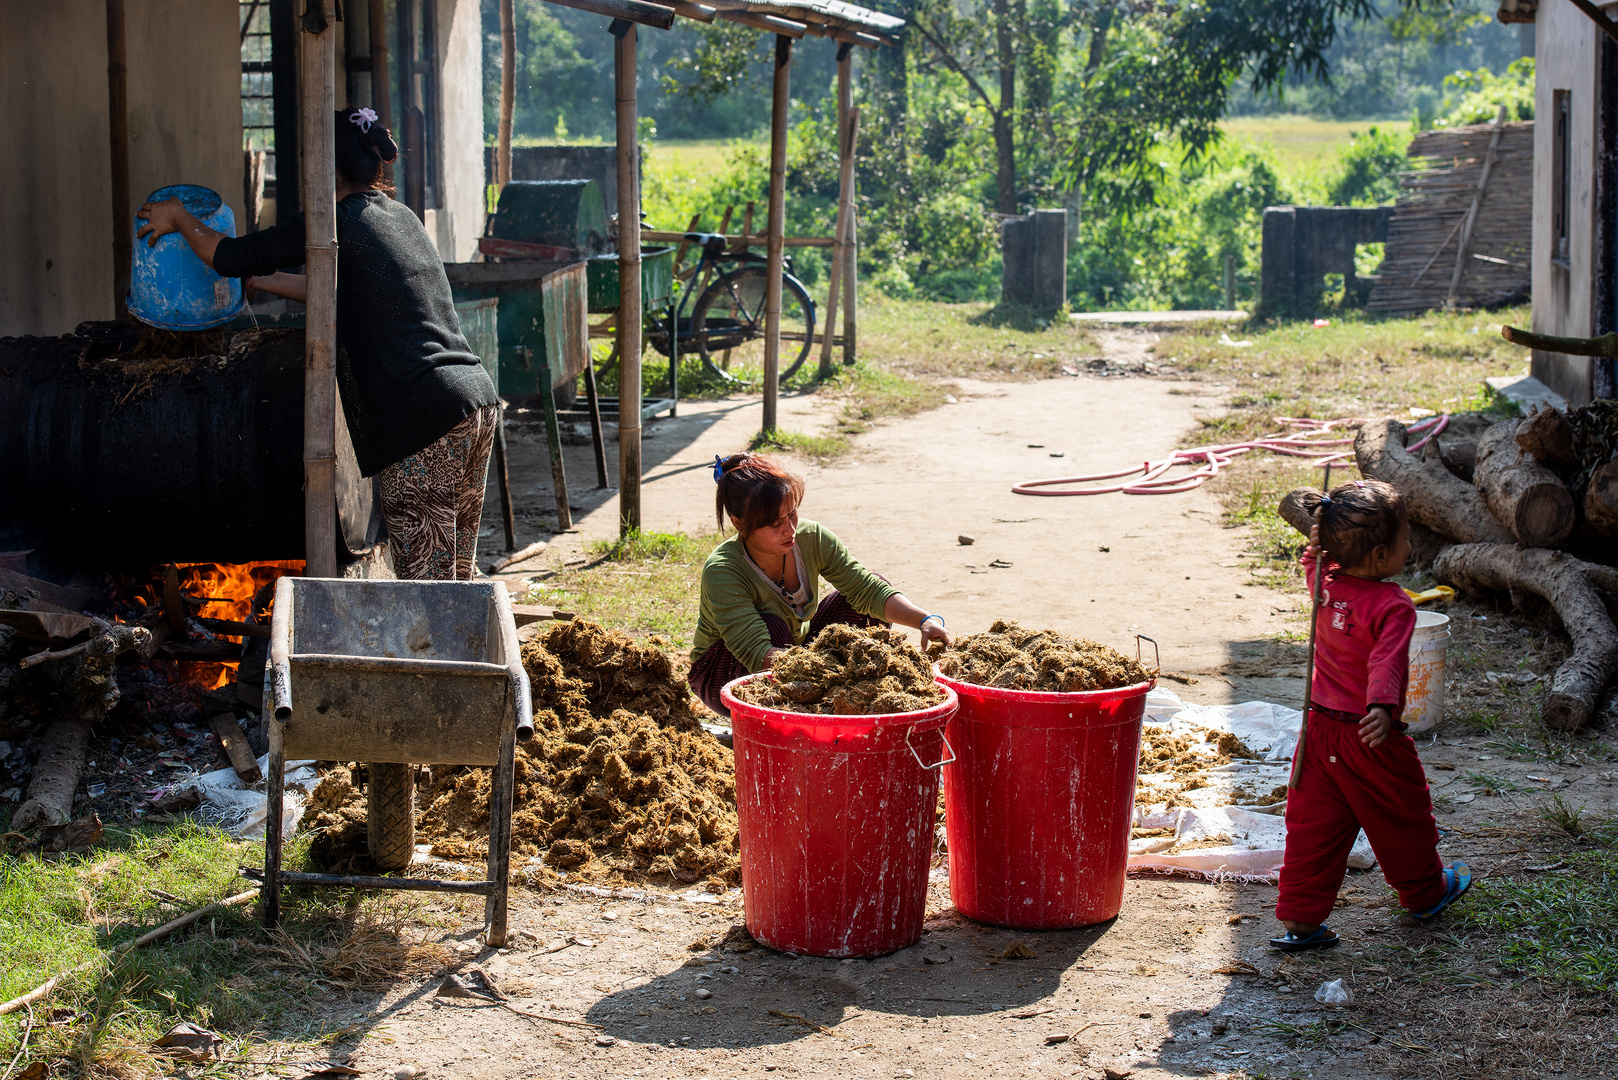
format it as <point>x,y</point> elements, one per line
<point>728,316</point>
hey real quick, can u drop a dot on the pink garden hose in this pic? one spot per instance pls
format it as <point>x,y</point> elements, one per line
<point>1308,438</point>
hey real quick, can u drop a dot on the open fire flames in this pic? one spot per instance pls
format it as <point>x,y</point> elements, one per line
<point>216,599</point>
<point>231,592</point>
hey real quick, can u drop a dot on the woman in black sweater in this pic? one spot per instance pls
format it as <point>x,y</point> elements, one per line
<point>421,410</point>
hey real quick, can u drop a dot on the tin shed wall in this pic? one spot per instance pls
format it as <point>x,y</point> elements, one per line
<point>185,126</point>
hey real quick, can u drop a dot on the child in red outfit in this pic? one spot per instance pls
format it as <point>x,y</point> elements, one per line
<point>1359,768</point>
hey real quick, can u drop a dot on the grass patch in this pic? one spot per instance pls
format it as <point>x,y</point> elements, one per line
<point>1558,927</point>
<point>643,584</point>
<point>938,340</point>
<point>225,972</point>
<point>820,447</point>
<point>1357,366</point>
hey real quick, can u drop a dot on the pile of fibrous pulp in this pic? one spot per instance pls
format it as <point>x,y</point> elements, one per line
<point>620,779</point>
<point>847,671</point>
<point>1011,657</point>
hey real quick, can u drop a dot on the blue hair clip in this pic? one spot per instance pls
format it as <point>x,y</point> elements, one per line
<point>1324,498</point>
<point>718,468</point>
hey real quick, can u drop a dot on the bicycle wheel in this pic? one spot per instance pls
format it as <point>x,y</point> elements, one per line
<point>730,317</point>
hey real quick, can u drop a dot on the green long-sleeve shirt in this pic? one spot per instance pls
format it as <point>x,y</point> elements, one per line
<point>735,597</point>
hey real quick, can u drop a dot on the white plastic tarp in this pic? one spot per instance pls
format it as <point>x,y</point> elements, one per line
<point>240,808</point>
<point>1257,834</point>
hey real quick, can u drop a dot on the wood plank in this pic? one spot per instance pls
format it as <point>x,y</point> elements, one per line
<point>57,597</point>
<point>234,740</point>
<point>524,614</point>
<point>634,11</point>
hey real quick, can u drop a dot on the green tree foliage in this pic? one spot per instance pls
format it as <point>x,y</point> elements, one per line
<point>1171,253</point>
<point>1367,173</point>
<point>1394,66</point>
<point>1474,97</point>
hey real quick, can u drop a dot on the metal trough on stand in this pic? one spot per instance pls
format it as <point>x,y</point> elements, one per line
<point>396,671</point>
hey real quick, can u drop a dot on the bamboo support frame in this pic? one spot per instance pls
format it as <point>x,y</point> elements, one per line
<point>508,90</point>
<point>320,264</point>
<point>629,295</point>
<point>845,216</point>
<point>847,233</point>
<point>776,228</point>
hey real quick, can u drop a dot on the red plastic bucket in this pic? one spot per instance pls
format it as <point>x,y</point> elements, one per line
<point>1038,803</point>
<point>836,817</point>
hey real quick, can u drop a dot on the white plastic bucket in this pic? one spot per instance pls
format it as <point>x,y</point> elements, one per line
<point>1424,701</point>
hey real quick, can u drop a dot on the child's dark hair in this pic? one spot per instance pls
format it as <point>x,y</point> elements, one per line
<point>753,489</point>
<point>1357,518</point>
<point>364,148</point>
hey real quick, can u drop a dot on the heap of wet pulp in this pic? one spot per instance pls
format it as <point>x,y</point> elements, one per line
<point>848,671</point>
<point>619,778</point>
<point>1010,657</point>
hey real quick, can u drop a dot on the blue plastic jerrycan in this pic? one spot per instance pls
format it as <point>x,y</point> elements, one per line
<point>169,287</point>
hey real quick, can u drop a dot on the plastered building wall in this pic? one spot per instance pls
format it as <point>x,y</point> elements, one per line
<point>1564,296</point>
<point>459,220</point>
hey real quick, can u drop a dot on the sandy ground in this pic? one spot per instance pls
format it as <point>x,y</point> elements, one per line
<point>1180,984</point>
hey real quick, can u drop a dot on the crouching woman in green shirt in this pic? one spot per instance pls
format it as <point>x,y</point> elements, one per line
<point>759,586</point>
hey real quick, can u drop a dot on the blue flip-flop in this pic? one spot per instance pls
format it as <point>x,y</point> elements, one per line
<point>1457,879</point>
<point>1322,938</point>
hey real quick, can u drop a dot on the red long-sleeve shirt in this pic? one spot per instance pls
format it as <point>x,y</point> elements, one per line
<point>1362,642</point>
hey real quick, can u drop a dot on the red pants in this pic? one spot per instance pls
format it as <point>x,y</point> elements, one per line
<point>1346,787</point>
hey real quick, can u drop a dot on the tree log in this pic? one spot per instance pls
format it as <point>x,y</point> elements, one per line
<point>1527,497</point>
<point>1436,499</point>
<point>1297,508</point>
<point>1569,585</point>
<point>1459,456</point>
<point>56,776</point>
<point>1601,500</point>
<point>1548,436</point>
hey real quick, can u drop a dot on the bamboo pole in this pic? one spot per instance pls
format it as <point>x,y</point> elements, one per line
<point>845,216</point>
<point>851,253</point>
<point>118,130</point>
<point>1464,248</point>
<point>629,299</point>
<point>381,99</point>
<point>508,90</point>
<point>776,228</point>
<point>320,264</point>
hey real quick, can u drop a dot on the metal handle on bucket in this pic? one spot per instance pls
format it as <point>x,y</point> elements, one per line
<point>1157,657</point>
<point>944,738</point>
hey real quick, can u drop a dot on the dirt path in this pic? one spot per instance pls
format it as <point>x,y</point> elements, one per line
<point>1181,984</point>
<point>1107,567</point>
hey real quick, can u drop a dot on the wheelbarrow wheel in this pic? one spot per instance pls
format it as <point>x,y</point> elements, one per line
<point>390,815</point>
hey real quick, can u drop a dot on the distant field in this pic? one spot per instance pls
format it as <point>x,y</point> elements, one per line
<point>1302,143</point>
<point>693,154</point>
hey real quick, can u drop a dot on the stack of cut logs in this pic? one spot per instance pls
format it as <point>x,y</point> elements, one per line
<point>1528,508</point>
